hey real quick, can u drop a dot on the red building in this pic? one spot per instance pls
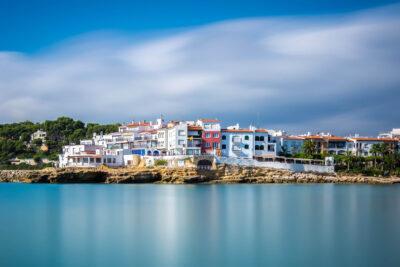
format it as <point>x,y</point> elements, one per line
<point>211,136</point>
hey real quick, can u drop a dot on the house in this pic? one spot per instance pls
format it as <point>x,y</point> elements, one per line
<point>361,146</point>
<point>291,145</point>
<point>81,156</point>
<point>336,145</point>
<point>237,143</point>
<point>328,144</point>
<point>211,136</point>
<point>247,143</point>
<point>265,145</point>
<point>194,140</point>
<point>39,134</point>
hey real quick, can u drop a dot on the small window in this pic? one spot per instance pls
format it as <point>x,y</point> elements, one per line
<point>216,135</point>
<point>207,144</point>
<point>246,137</point>
<point>224,137</point>
<point>257,146</point>
<point>98,160</point>
<point>261,147</point>
<point>246,146</point>
<point>223,146</point>
<point>215,145</point>
<point>114,160</point>
<point>257,138</point>
<point>261,138</point>
<point>208,135</point>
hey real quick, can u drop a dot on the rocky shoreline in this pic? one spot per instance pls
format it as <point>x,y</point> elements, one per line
<point>222,174</point>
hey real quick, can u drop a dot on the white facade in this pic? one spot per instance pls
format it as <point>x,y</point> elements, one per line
<point>39,134</point>
<point>177,139</point>
<point>361,146</point>
<point>237,143</point>
<point>247,143</point>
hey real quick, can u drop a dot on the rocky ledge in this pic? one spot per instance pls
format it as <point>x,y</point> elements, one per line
<point>223,174</point>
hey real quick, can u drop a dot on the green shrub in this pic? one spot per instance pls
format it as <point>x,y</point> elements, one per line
<point>160,162</point>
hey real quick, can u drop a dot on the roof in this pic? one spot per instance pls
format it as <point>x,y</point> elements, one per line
<point>292,137</point>
<point>194,128</point>
<point>261,130</point>
<point>314,137</point>
<point>374,139</point>
<point>237,131</point>
<point>209,120</point>
<point>335,138</point>
<point>137,124</point>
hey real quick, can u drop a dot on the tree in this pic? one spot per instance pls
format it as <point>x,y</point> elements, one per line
<point>309,148</point>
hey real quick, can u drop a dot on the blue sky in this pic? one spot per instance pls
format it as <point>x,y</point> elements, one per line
<point>29,26</point>
<point>293,65</point>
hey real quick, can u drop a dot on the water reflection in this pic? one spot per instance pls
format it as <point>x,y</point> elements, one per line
<point>216,225</point>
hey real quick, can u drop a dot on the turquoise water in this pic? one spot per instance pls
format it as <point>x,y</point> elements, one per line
<point>199,225</point>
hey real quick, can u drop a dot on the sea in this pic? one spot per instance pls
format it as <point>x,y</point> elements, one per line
<point>199,225</point>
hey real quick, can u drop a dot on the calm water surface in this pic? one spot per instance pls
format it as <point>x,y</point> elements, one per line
<point>199,225</point>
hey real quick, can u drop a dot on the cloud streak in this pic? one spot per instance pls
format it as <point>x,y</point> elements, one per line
<point>337,73</point>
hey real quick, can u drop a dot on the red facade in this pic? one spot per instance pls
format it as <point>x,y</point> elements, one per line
<point>211,142</point>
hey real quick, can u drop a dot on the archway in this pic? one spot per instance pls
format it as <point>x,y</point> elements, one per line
<point>204,164</point>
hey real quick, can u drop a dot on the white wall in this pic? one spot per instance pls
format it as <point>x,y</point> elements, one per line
<point>276,165</point>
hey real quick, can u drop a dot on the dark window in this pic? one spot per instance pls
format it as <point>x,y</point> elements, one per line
<point>223,146</point>
<point>246,137</point>
<point>261,147</point>
<point>224,137</point>
<point>261,138</point>
<point>257,147</point>
<point>257,138</point>
<point>246,146</point>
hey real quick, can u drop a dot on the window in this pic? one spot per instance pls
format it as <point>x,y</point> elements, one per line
<point>216,135</point>
<point>223,146</point>
<point>181,133</point>
<point>261,147</point>
<point>108,160</point>
<point>208,135</point>
<point>181,142</point>
<point>224,137</point>
<point>98,160</point>
<point>91,160</point>
<point>246,146</point>
<point>236,139</point>
<point>257,138</point>
<point>257,146</point>
<point>215,145</point>
<point>261,138</point>
<point>85,160</point>
<point>246,137</point>
<point>271,148</point>
<point>114,160</point>
<point>207,144</point>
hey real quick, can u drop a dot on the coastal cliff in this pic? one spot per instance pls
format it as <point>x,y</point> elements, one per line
<point>222,174</point>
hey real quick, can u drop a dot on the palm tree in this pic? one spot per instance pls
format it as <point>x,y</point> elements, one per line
<point>309,148</point>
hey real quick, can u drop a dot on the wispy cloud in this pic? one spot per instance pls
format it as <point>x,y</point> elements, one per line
<point>320,73</point>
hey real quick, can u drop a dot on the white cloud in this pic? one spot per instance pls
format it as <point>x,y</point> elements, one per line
<point>338,72</point>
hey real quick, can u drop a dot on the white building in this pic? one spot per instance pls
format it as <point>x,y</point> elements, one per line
<point>39,134</point>
<point>361,146</point>
<point>81,156</point>
<point>291,145</point>
<point>247,143</point>
<point>179,138</point>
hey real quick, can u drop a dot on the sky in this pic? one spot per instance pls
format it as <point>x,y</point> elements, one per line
<point>293,65</point>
